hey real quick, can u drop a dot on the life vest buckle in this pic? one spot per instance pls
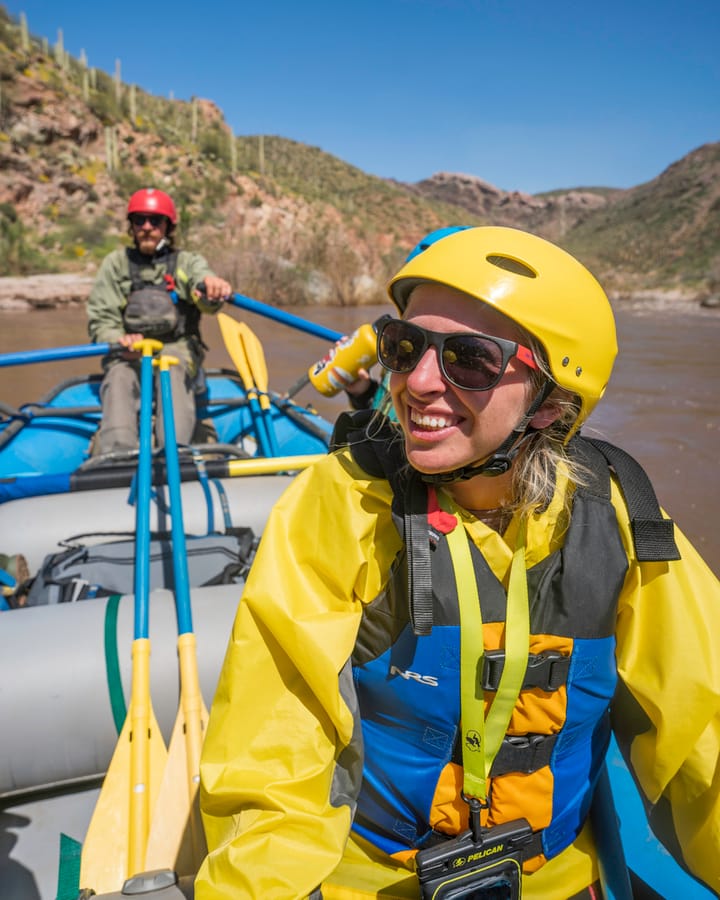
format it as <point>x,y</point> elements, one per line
<point>547,671</point>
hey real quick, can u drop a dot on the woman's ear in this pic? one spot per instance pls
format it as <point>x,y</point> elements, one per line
<point>548,413</point>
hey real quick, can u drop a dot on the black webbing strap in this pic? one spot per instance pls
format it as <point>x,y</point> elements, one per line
<point>375,447</point>
<point>523,753</point>
<point>547,671</point>
<point>653,535</point>
<point>418,557</point>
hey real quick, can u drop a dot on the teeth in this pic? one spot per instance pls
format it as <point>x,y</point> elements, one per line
<point>433,422</point>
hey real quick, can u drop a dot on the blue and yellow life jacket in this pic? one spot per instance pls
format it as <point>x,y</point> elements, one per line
<point>406,662</point>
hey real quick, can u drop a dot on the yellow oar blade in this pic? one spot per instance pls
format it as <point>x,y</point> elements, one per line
<point>256,358</point>
<point>177,840</point>
<point>233,344</point>
<point>259,374</point>
<point>105,860</point>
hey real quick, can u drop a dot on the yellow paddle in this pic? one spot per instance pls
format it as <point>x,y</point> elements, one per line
<point>116,838</point>
<point>237,468</point>
<point>232,339</point>
<point>258,370</point>
<point>176,838</point>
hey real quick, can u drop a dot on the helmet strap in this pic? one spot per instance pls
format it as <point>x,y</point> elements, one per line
<point>499,462</point>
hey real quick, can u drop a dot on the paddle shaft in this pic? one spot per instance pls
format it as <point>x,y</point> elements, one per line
<point>51,354</point>
<point>279,315</point>
<point>116,839</point>
<point>172,464</point>
<point>139,822</point>
<point>192,708</point>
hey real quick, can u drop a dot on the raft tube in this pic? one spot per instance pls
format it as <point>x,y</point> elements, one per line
<point>66,678</point>
<point>38,526</point>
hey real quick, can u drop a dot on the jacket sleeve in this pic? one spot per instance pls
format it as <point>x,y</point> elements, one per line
<point>667,712</point>
<point>107,300</point>
<point>192,268</point>
<point>276,810</point>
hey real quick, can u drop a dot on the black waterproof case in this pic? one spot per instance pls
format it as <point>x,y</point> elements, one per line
<point>488,868</point>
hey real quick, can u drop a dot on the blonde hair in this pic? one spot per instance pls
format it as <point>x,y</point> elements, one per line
<point>534,471</point>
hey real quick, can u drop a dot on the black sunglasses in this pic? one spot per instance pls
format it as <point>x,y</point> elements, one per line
<point>139,219</point>
<point>468,359</point>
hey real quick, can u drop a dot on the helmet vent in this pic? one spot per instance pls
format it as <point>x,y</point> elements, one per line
<point>511,265</point>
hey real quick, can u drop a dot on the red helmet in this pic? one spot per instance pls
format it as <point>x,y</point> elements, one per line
<point>150,200</point>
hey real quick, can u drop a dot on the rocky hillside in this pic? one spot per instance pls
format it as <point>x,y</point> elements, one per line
<point>283,220</point>
<point>552,215</point>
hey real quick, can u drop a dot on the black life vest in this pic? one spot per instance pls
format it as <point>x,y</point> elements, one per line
<point>155,310</point>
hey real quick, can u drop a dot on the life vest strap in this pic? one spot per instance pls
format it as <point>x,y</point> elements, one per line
<point>547,671</point>
<point>653,535</point>
<point>523,753</point>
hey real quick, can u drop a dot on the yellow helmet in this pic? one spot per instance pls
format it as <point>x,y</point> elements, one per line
<point>536,284</point>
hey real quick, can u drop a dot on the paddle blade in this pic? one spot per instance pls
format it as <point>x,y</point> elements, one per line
<point>104,863</point>
<point>229,329</point>
<point>177,840</point>
<point>232,338</point>
<point>258,372</point>
<point>256,356</point>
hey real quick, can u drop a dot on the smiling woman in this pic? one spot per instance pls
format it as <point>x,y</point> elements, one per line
<point>480,534</point>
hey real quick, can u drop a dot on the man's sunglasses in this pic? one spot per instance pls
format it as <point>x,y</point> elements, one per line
<point>468,359</point>
<point>139,219</point>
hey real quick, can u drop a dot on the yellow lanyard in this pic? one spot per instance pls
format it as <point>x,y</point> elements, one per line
<point>481,736</point>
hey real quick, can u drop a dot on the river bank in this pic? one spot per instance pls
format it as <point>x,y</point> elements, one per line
<point>52,291</point>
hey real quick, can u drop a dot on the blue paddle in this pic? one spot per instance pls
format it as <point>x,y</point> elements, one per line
<point>279,315</point>
<point>116,839</point>
<point>177,805</point>
<point>50,354</point>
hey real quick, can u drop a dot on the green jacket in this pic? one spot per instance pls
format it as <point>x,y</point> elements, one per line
<point>110,291</point>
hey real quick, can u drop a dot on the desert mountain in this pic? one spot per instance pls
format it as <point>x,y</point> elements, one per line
<point>284,220</point>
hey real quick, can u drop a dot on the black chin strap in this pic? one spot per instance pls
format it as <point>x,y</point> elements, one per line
<point>500,461</point>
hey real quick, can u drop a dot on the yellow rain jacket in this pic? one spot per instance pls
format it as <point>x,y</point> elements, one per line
<point>279,723</point>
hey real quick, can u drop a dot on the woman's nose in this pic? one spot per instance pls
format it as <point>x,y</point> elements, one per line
<point>427,376</point>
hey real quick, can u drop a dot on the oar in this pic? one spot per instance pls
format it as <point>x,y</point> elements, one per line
<point>77,351</point>
<point>177,806</point>
<point>116,839</point>
<point>279,315</point>
<point>258,370</point>
<point>19,487</point>
<point>235,347</point>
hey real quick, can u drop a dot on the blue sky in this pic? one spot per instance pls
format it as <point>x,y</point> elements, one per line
<point>529,95</point>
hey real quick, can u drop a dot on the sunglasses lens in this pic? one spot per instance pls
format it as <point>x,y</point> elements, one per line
<point>400,346</point>
<point>472,361</point>
<point>140,219</point>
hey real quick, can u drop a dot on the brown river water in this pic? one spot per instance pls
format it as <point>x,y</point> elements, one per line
<point>661,405</point>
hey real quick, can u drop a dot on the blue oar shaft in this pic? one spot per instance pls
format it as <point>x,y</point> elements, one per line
<point>23,357</point>
<point>260,425</point>
<point>144,486</point>
<point>279,315</point>
<point>179,549</point>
